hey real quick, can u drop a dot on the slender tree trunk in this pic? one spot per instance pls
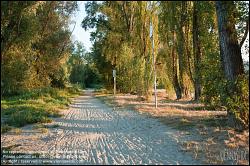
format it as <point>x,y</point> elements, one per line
<point>197,52</point>
<point>229,47</point>
<point>188,52</point>
<point>176,83</point>
<point>147,75</point>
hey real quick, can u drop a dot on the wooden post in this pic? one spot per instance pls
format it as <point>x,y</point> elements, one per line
<point>114,75</point>
<point>114,85</point>
<point>152,38</point>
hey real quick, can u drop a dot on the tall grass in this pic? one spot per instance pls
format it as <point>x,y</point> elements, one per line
<point>35,106</point>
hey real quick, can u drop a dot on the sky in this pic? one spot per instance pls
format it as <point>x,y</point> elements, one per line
<point>79,33</point>
<point>84,36</point>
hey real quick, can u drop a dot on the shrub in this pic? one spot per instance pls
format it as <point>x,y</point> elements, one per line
<point>237,103</point>
<point>234,96</point>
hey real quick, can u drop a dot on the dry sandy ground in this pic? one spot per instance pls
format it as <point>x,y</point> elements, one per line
<point>93,133</point>
<point>201,132</point>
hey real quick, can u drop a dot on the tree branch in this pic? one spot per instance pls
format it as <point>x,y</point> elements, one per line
<point>18,26</point>
<point>125,15</point>
<point>245,34</point>
<point>66,43</point>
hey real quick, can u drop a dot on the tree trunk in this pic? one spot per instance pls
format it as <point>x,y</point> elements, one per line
<point>230,52</point>
<point>147,59</point>
<point>188,52</point>
<point>182,53</point>
<point>176,83</point>
<point>197,53</point>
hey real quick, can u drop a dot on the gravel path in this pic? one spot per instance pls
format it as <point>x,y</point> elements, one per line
<point>93,133</point>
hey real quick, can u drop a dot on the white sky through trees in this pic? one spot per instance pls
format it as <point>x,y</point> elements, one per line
<point>79,33</point>
<point>84,36</point>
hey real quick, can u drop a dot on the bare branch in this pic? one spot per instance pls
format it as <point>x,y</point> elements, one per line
<point>245,34</point>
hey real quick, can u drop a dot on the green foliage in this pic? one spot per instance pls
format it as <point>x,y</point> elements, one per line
<point>37,56</point>
<point>125,82</point>
<point>36,105</point>
<point>77,75</point>
<point>27,115</point>
<point>35,44</point>
<point>242,16</point>
<point>91,76</point>
<point>213,80</point>
<point>82,70</point>
<point>237,102</point>
<point>85,75</point>
<point>122,42</point>
<point>232,96</point>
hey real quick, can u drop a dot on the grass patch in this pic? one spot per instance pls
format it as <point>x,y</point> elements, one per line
<point>5,128</point>
<point>36,106</point>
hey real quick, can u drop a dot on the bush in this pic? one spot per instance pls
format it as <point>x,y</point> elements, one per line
<point>58,78</point>
<point>77,75</point>
<point>74,89</point>
<point>218,92</point>
<point>237,102</point>
<point>233,96</point>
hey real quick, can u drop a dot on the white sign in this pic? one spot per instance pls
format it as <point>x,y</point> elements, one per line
<point>114,73</point>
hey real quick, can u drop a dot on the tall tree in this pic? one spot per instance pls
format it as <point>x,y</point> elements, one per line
<point>181,45</point>
<point>125,41</point>
<point>229,47</point>
<point>176,83</point>
<point>237,101</point>
<point>196,50</point>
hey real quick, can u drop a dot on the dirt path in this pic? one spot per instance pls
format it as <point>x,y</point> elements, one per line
<point>93,133</point>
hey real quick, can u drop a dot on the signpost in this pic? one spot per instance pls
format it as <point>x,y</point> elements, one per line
<point>151,30</point>
<point>114,75</point>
